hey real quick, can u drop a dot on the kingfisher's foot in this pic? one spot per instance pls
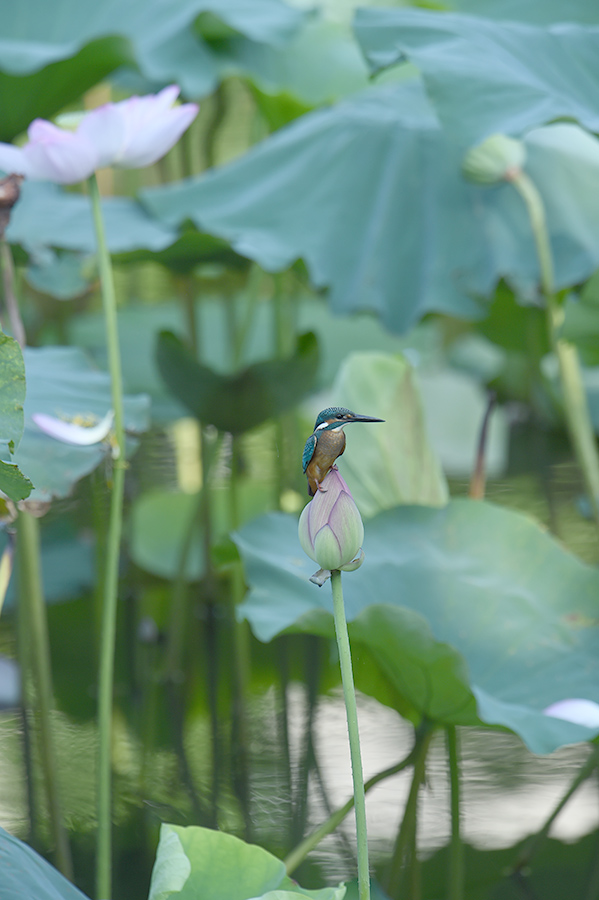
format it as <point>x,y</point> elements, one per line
<point>320,488</point>
<point>335,468</point>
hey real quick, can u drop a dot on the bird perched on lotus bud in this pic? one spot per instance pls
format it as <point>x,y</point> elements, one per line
<point>331,529</point>
<point>326,443</point>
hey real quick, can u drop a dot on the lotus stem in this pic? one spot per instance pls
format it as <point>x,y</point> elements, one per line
<point>349,694</point>
<point>113,545</point>
<point>576,407</point>
<point>34,644</point>
<point>32,619</point>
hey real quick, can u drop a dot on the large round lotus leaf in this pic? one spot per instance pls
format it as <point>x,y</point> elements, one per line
<point>171,866</point>
<point>489,583</point>
<point>236,403</point>
<point>377,207</point>
<point>348,220</point>
<point>25,875</point>
<point>319,65</point>
<point>222,866</point>
<point>197,862</point>
<point>391,462</point>
<point>48,216</point>
<point>138,328</point>
<point>62,382</point>
<point>160,521</point>
<point>44,92</point>
<point>537,12</point>
<point>66,276</point>
<point>485,76</point>
<point>140,324</point>
<point>67,562</point>
<point>51,53</point>
<point>190,250</point>
<point>432,679</point>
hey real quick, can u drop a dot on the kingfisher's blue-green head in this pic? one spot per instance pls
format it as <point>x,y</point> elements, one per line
<point>337,417</point>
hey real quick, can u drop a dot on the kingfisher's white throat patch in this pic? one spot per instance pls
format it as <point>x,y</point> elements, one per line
<point>327,425</point>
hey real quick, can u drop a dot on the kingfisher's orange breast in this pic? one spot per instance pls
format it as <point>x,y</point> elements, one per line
<point>329,446</point>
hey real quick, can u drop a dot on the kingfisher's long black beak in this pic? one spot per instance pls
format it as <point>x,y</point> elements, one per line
<point>356,418</point>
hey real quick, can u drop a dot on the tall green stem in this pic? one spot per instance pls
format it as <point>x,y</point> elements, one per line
<point>113,544</point>
<point>33,640</point>
<point>456,861</point>
<point>575,400</point>
<point>349,693</point>
<point>32,618</point>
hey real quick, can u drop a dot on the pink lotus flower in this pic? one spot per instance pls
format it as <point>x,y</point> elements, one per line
<point>130,134</point>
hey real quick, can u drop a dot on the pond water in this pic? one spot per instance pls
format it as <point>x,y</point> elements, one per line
<point>288,766</point>
<point>507,792</point>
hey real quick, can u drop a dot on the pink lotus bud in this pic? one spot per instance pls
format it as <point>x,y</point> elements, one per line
<point>131,134</point>
<point>330,527</point>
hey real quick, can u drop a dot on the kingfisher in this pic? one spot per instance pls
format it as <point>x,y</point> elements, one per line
<point>326,443</point>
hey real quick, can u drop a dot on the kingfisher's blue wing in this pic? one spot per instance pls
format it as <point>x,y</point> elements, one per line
<point>308,451</point>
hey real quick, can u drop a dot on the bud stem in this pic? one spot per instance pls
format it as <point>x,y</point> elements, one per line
<point>349,694</point>
<point>576,408</point>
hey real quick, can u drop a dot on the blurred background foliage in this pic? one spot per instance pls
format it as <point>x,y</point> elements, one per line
<point>311,241</point>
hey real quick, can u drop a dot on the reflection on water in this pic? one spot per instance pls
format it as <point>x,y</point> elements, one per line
<point>13,815</point>
<point>507,792</point>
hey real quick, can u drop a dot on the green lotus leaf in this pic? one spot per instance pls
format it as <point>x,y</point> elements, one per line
<point>237,403</point>
<point>222,867</point>
<point>50,54</point>
<point>24,874</point>
<point>468,602</point>
<point>393,227</point>
<point>393,462</point>
<point>486,76</point>
<point>48,216</point>
<point>62,382</point>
